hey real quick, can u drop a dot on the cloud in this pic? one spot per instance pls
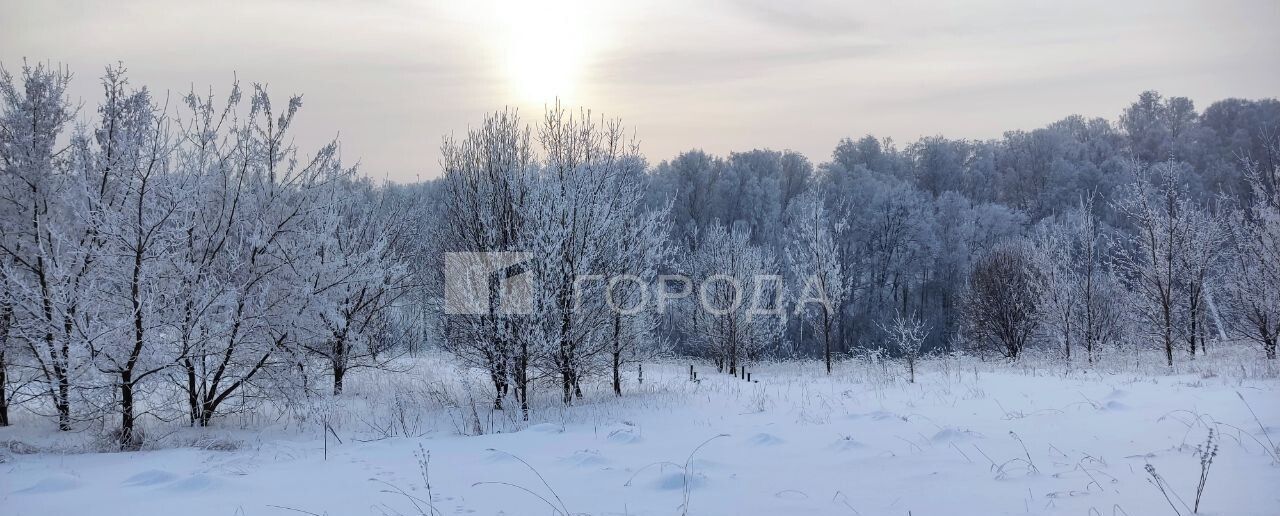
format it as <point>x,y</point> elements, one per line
<point>823,17</point>
<point>686,66</point>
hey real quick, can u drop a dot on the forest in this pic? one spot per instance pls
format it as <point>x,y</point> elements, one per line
<point>185,261</point>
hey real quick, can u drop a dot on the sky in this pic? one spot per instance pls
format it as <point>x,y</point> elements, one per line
<point>392,78</point>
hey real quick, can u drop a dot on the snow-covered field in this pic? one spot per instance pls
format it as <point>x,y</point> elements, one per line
<point>969,437</point>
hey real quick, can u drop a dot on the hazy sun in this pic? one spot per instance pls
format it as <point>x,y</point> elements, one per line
<point>546,47</point>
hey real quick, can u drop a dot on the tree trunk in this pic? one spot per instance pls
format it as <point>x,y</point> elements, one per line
<point>4,382</point>
<point>339,362</point>
<point>566,383</point>
<point>617,354</point>
<point>617,374</point>
<point>193,395</point>
<point>338,373</point>
<point>63,402</point>
<point>126,412</point>
<point>826,338</point>
<point>1191,336</point>
<point>6,314</point>
<point>521,374</point>
<point>1168,335</point>
<point>1066,341</point>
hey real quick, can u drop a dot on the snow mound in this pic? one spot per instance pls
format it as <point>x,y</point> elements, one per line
<point>52,484</point>
<point>846,443</point>
<point>197,482</point>
<point>763,439</point>
<point>624,436</point>
<point>585,458</point>
<point>546,428</point>
<point>881,415</point>
<point>495,456</point>
<point>149,477</point>
<point>949,435</point>
<point>675,481</point>
<point>1115,405</point>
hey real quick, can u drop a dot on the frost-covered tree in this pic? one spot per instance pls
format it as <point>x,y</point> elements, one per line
<point>354,276</point>
<point>640,250</point>
<point>1165,258</point>
<point>737,308</point>
<point>42,275</point>
<point>814,262</point>
<point>133,232</point>
<point>1253,283</point>
<point>1081,298</point>
<point>587,190</point>
<point>238,317</point>
<point>907,335</point>
<point>487,177</point>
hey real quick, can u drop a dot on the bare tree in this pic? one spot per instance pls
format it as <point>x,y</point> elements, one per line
<point>1002,299</point>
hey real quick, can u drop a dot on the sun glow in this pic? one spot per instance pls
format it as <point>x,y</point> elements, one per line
<point>546,48</point>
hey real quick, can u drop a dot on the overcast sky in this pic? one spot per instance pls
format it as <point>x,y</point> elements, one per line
<point>394,76</point>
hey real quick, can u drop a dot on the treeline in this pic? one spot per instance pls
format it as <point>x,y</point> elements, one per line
<point>910,223</point>
<point>187,261</point>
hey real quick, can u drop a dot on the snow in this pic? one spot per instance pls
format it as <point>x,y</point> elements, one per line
<point>969,437</point>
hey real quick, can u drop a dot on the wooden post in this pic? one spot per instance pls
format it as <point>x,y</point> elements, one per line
<point>748,377</point>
